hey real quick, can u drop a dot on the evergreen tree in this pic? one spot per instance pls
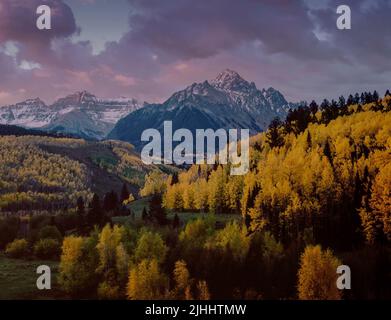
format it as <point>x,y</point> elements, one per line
<point>95,214</point>
<point>80,211</point>
<point>363,98</point>
<point>341,101</point>
<point>350,100</point>
<point>356,98</point>
<point>175,222</point>
<point>110,201</point>
<point>327,151</point>
<point>273,136</point>
<point>313,108</point>
<point>309,141</point>
<point>343,106</point>
<point>297,120</point>
<point>144,214</point>
<point>375,96</point>
<point>174,179</point>
<point>368,97</point>
<point>124,193</point>
<point>156,210</point>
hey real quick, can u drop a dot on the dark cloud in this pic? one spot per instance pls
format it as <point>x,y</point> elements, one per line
<point>18,21</point>
<point>369,40</point>
<point>292,45</point>
<point>199,29</point>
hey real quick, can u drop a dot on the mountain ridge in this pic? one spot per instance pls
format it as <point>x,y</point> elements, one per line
<point>80,113</point>
<point>226,102</point>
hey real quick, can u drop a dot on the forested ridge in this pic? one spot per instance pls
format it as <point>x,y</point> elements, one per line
<point>31,178</point>
<point>44,173</point>
<point>324,173</point>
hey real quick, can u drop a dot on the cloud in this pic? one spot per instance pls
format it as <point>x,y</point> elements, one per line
<point>189,29</point>
<point>293,46</point>
<point>18,21</point>
<point>369,40</point>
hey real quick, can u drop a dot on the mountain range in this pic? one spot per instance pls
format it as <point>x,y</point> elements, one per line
<point>227,102</point>
<point>81,114</point>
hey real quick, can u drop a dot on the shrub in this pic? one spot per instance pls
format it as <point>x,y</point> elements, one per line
<point>47,249</point>
<point>8,230</point>
<point>39,221</point>
<point>17,248</point>
<point>50,232</point>
<point>108,291</point>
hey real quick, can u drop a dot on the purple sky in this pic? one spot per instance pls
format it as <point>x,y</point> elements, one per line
<point>147,49</point>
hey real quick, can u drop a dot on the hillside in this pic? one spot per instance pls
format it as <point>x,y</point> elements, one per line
<point>48,173</point>
<point>324,173</point>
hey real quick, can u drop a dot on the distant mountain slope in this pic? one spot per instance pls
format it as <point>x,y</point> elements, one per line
<point>50,173</point>
<point>32,113</point>
<point>81,114</point>
<point>226,102</point>
<point>10,130</point>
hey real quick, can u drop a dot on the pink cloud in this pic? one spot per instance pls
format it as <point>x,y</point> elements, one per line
<point>124,80</point>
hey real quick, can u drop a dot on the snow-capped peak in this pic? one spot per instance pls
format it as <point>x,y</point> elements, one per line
<point>231,80</point>
<point>78,113</point>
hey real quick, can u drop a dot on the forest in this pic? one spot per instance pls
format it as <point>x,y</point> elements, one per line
<point>317,196</point>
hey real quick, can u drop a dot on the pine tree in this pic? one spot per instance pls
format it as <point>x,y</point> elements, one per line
<point>95,214</point>
<point>375,96</point>
<point>297,120</point>
<point>144,214</point>
<point>363,98</point>
<point>314,107</point>
<point>156,210</point>
<point>175,222</point>
<point>174,179</point>
<point>309,141</point>
<point>341,101</point>
<point>356,98</point>
<point>350,100</point>
<point>124,193</point>
<point>110,201</point>
<point>80,211</point>
<point>327,151</point>
<point>273,136</point>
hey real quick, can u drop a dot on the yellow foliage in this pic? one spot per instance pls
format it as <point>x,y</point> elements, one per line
<point>317,275</point>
